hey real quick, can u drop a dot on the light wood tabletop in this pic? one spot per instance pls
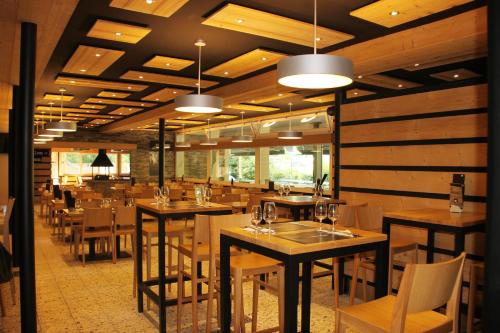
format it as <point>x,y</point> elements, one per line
<point>439,216</point>
<point>277,242</point>
<point>175,207</point>
<point>298,200</point>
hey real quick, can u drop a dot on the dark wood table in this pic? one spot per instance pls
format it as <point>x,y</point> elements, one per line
<point>174,210</point>
<point>296,243</point>
<point>296,203</point>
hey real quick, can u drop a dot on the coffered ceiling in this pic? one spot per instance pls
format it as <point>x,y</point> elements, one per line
<point>130,59</point>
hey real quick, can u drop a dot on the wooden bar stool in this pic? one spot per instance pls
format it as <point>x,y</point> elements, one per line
<point>424,287</point>
<point>476,275</point>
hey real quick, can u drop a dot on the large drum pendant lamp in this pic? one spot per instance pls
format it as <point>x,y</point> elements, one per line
<point>47,133</point>
<point>198,103</point>
<point>315,71</point>
<point>62,125</point>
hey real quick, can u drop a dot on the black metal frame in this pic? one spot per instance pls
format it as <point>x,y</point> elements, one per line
<point>291,263</point>
<point>295,209</point>
<point>145,287</point>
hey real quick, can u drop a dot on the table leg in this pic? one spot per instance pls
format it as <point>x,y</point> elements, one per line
<point>459,243</point>
<point>161,274</point>
<point>225,284</point>
<point>118,246</point>
<point>291,294</point>
<point>306,214</point>
<point>138,260</point>
<point>296,213</point>
<point>91,248</point>
<point>381,269</point>
<point>306,298</point>
<point>430,245</point>
<point>341,275</point>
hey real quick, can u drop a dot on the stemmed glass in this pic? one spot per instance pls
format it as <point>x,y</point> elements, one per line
<point>256,216</point>
<point>157,194</point>
<point>208,195</point>
<point>333,214</point>
<point>320,211</point>
<point>281,189</point>
<point>269,213</point>
<point>287,189</point>
<point>78,203</point>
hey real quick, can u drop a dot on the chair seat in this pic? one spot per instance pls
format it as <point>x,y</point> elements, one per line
<point>401,243</point>
<point>376,316</point>
<point>253,263</point>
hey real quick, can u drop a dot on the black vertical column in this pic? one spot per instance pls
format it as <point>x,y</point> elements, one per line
<point>491,311</point>
<point>14,227</point>
<point>174,151</point>
<point>24,176</point>
<point>161,152</point>
<point>336,144</point>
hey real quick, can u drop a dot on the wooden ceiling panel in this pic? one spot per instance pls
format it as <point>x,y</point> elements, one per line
<point>385,81</point>
<point>256,108</point>
<point>94,116</point>
<point>100,121</point>
<point>326,98</point>
<point>91,83</point>
<point>270,98</point>
<point>119,32</point>
<point>47,117</point>
<point>57,97</point>
<point>455,75</point>
<point>354,93</point>
<point>163,8</point>
<point>390,13</point>
<point>225,116</point>
<point>93,106</point>
<point>57,110</point>
<point>124,111</point>
<point>165,94</point>
<point>170,63</point>
<point>91,60</point>
<point>186,122</point>
<point>246,63</point>
<point>444,61</point>
<point>113,94</point>
<point>166,79</point>
<point>118,102</point>
<point>260,23</point>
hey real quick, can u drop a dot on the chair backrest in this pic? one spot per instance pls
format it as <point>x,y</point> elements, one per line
<point>235,190</point>
<point>254,199</point>
<point>68,199</point>
<point>231,198</point>
<point>147,193</point>
<point>6,224</point>
<point>190,194</point>
<point>97,217</point>
<point>117,203</point>
<point>218,222</point>
<point>175,194</point>
<point>216,190</point>
<point>370,217</point>
<point>125,215</point>
<point>200,229</point>
<point>90,203</point>
<point>57,192</point>
<point>425,287</point>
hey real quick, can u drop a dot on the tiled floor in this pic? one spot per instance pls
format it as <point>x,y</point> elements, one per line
<point>98,297</point>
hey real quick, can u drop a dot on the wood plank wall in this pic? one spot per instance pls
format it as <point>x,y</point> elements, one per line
<point>400,152</point>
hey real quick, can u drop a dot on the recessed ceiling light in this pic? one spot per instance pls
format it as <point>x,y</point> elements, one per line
<point>97,54</point>
<point>118,33</point>
<point>141,77</point>
<point>149,2</point>
<point>100,101</point>
<point>142,104</point>
<point>360,76</point>
<point>87,111</point>
<point>197,84</point>
<point>240,20</point>
<point>252,101</point>
<point>157,99</point>
<point>72,81</point>
<point>129,109</point>
<point>174,92</point>
<point>129,87</point>
<point>318,39</point>
<point>264,58</point>
<point>280,95</point>
<point>119,113</point>
<point>400,85</point>
<point>456,76</point>
<point>167,64</point>
<point>394,13</point>
<point>114,95</point>
<point>83,70</point>
<point>226,73</point>
<point>417,64</point>
<point>355,93</point>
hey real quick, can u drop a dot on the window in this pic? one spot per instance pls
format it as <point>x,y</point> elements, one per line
<point>79,164</point>
<point>192,164</point>
<point>233,164</point>
<point>124,164</point>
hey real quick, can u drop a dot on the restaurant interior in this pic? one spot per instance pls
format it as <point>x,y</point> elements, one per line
<point>263,166</point>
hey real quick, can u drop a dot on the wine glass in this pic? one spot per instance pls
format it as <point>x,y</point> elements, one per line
<point>333,214</point>
<point>281,190</point>
<point>157,195</point>
<point>287,189</point>
<point>320,211</point>
<point>208,194</point>
<point>78,203</point>
<point>256,216</point>
<point>269,213</point>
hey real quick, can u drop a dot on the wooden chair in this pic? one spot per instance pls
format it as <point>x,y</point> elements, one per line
<point>476,275</point>
<point>424,287</point>
<point>125,225</point>
<point>370,218</point>
<point>90,203</point>
<point>176,194</point>
<point>97,223</point>
<point>147,193</point>
<point>7,243</point>
<point>243,265</point>
<point>235,190</point>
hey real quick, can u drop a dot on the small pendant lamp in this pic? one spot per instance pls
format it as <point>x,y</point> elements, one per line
<point>290,135</point>
<point>208,141</point>
<point>62,125</point>
<point>242,138</point>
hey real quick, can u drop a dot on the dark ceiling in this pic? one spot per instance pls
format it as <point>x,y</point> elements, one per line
<point>176,35</point>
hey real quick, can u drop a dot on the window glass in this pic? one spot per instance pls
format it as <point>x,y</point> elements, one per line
<point>233,164</point>
<point>125,164</point>
<point>192,164</point>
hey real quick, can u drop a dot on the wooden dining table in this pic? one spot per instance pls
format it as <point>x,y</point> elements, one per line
<point>173,210</point>
<point>296,203</point>
<point>296,243</point>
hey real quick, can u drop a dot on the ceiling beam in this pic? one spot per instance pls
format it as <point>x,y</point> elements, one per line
<point>460,36</point>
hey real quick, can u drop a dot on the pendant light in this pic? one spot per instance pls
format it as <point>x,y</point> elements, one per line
<point>40,139</point>
<point>198,103</point>
<point>208,141</point>
<point>47,133</point>
<point>182,144</point>
<point>290,135</point>
<point>62,125</point>
<point>315,71</point>
<point>242,138</point>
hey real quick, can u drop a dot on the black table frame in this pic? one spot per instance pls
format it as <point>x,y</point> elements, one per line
<point>291,263</point>
<point>145,287</point>
<point>296,208</point>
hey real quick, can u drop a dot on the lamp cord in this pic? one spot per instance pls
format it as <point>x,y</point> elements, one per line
<point>199,69</point>
<point>62,99</point>
<point>315,25</point>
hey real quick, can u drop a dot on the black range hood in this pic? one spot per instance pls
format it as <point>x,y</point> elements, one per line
<point>102,160</point>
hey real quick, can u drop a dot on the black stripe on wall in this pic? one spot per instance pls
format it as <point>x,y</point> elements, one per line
<point>415,168</point>
<point>424,195</point>
<point>416,116</point>
<point>414,142</point>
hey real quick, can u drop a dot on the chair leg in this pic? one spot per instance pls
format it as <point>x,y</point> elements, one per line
<point>237,301</point>
<point>148,264</point>
<point>210,300</point>
<point>336,284</point>
<point>242,312</point>
<point>169,262</point>
<point>180,290</point>
<point>281,299</point>
<point>389,275</point>
<point>339,328</point>
<point>113,250</point>
<point>354,281</point>
<point>255,304</point>
<point>2,306</point>
<point>134,288</point>
<point>13,290</point>
<point>83,251</point>
<point>194,294</point>
<point>363,272</point>
<point>471,299</point>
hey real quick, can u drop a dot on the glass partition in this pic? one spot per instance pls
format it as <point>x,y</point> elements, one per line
<point>233,164</point>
